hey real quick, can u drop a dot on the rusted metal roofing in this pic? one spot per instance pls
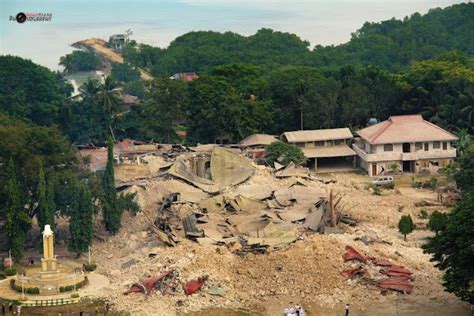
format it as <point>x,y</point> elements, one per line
<point>328,151</point>
<point>258,139</point>
<point>97,156</point>
<point>317,135</point>
<point>404,129</point>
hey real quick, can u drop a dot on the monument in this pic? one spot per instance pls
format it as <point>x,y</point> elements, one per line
<point>49,265</point>
<point>52,277</point>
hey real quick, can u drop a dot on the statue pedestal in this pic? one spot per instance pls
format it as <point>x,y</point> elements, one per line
<point>49,268</point>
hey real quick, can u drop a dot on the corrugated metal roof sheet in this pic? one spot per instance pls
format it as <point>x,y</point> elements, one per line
<point>404,129</point>
<point>317,135</point>
<point>329,151</point>
<point>258,139</point>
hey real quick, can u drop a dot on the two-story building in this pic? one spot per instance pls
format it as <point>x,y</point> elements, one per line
<point>404,143</point>
<point>325,149</point>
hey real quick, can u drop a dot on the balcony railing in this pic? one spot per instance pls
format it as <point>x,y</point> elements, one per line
<point>397,156</point>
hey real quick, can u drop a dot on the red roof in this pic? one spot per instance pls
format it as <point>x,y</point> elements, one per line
<point>404,129</point>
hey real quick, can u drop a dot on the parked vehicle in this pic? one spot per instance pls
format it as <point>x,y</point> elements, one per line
<point>386,180</point>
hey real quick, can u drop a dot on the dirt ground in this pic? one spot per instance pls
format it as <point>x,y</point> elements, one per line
<point>307,271</point>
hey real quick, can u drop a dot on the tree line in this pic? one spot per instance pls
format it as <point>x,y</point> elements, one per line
<point>391,45</point>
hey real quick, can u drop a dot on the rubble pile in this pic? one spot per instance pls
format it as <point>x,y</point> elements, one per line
<point>255,236</point>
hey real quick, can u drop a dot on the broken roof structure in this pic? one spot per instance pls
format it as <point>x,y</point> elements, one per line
<point>404,129</point>
<point>97,156</point>
<point>226,169</point>
<point>258,140</point>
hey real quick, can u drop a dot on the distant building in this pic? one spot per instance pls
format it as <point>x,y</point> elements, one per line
<point>255,144</point>
<point>117,41</point>
<point>406,142</point>
<point>326,149</point>
<point>128,101</point>
<point>185,76</point>
<point>97,157</point>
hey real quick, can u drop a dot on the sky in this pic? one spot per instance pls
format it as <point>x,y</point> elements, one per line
<point>158,22</point>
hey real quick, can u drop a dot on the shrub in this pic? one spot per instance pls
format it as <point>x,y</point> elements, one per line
<point>2,276</point>
<point>432,183</point>
<point>284,153</point>
<point>32,290</point>
<point>423,213</point>
<point>90,267</point>
<point>75,295</point>
<point>10,271</point>
<point>375,189</point>
<point>389,186</point>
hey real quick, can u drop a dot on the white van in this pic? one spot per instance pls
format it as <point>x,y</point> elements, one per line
<point>382,180</point>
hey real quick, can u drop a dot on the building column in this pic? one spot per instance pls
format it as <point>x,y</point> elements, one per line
<point>315,164</point>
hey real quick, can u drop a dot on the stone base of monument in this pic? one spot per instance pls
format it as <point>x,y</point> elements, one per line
<point>49,283</point>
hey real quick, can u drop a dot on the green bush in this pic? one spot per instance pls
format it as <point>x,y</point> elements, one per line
<point>389,186</point>
<point>32,290</point>
<point>431,183</point>
<point>284,153</point>
<point>90,266</point>
<point>423,213</point>
<point>375,189</point>
<point>2,276</point>
<point>75,295</point>
<point>10,271</point>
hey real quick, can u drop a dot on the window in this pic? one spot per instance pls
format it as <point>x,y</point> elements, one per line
<point>319,144</point>
<point>388,147</point>
<point>426,147</point>
<point>445,145</point>
<point>302,145</point>
<point>337,142</point>
<point>418,146</point>
<point>436,145</point>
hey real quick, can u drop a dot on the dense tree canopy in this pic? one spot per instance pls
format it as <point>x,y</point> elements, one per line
<point>391,44</point>
<point>30,91</point>
<point>80,60</point>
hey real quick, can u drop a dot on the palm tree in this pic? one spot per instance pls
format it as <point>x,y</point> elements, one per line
<point>108,94</point>
<point>89,89</point>
<point>464,140</point>
<point>67,63</point>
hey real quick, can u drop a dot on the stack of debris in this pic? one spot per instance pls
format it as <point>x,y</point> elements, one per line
<point>370,270</point>
<point>252,218</point>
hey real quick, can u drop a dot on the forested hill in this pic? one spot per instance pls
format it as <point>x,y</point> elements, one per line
<point>391,44</point>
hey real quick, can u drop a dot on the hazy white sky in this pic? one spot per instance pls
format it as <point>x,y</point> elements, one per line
<point>158,22</point>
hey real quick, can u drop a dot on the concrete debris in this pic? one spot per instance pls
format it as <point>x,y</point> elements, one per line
<point>293,171</point>
<point>230,251</point>
<point>216,291</point>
